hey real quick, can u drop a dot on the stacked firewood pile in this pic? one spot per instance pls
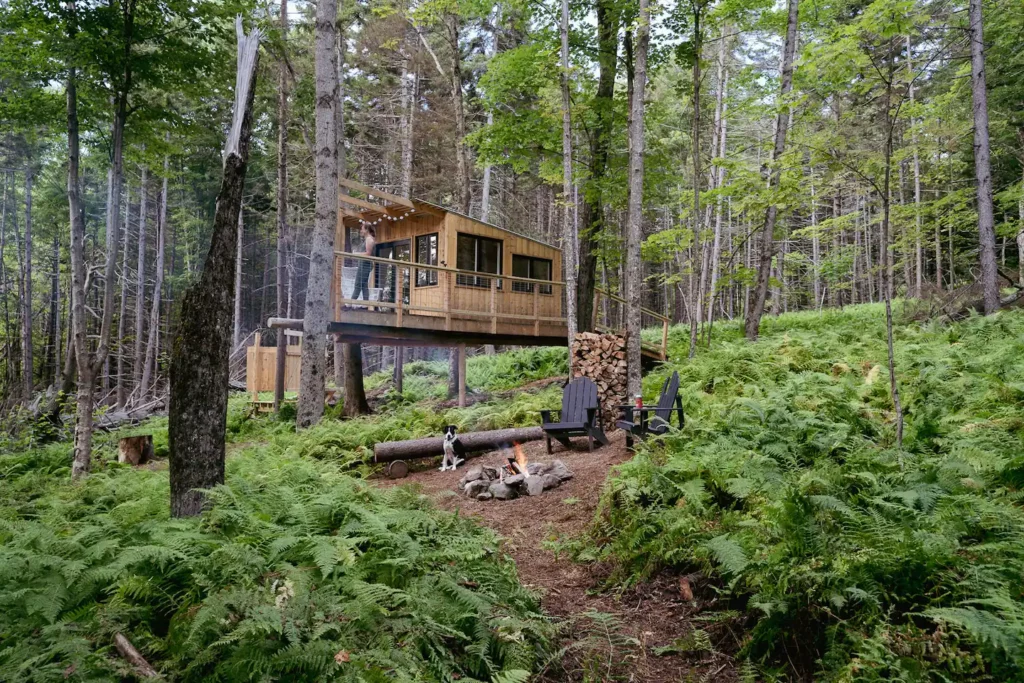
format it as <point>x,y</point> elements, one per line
<point>602,359</point>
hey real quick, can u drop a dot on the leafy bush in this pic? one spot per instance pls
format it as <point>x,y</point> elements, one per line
<point>847,556</point>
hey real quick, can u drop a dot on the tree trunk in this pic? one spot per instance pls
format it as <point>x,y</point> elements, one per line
<point>26,326</point>
<point>918,249</point>
<point>202,343</point>
<point>451,21</point>
<point>121,385</point>
<point>982,163</point>
<point>569,238</point>
<point>83,415</point>
<point>90,364</point>
<point>409,89</point>
<point>634,272</point>
<point>313,375</point>
<point>140,280</point>
<point>886,292</point>
<point>468,442</point>
<point>1020,236</point>
<point>282,211</point>
<point>696,271</point>
<point>720,135</point>
<point>236,331</point>
<point>152,344</point>
<point>753,321</point>
<point>608,20</point>
<point>355,394</point>
<point>815,249</point>
<point>56,309</point>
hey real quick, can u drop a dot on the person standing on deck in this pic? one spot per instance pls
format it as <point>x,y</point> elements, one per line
<point>369,235</point>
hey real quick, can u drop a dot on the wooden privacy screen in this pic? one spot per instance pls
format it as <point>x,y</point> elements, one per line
<point>261,367</point>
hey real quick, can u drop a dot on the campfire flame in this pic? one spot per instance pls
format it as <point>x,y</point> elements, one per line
<point>521,459</point>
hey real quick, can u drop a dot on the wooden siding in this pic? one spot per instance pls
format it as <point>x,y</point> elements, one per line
<point>509,302</point>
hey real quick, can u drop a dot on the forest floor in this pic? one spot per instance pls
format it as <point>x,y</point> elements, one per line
<point>607,635</point>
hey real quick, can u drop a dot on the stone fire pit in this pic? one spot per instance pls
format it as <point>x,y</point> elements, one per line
<point>484,482</point>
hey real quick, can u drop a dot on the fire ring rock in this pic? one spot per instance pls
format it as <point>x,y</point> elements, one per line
<point>476,487</point>
<point>502,492</point>
<point>534,486</point>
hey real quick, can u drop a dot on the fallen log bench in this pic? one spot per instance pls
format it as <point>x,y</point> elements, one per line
<point>397,452</point>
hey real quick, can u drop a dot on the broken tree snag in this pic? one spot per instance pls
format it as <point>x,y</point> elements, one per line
<point>202,343</point>
<point>135,450</point>
<point>471,442</point>
<point>142,668</point>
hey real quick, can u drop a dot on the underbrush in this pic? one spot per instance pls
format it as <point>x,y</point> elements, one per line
<point>842,556</point>
<point>428,380</point>
<point>298,571</point>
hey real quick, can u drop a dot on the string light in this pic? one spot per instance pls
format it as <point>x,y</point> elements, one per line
<point>393,219</point>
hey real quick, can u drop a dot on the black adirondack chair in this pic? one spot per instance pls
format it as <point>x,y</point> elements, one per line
<point>580,416</point>
<point>639,422</point>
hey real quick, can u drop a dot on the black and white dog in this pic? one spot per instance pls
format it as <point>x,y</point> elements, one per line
<point>451,445</point>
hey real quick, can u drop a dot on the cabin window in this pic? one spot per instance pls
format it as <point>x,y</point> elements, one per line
<point>478,254</point>
<point>533,268</point>
<point>426,253</point>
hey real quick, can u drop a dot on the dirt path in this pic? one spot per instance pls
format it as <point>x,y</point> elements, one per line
<point>619,646</point>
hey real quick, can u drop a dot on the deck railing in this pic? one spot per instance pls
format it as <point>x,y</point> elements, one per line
<point>447,292</point>
<point>610,315</point>
<point>455,294</point>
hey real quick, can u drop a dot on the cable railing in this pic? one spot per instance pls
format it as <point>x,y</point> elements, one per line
<point>503,301</point>
<point>486,302</point>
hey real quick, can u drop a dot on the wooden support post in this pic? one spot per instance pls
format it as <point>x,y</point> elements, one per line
<point>462,375</point>
<point>664,339</point>
<point>334,289</point>
<point>279,365</point>
<point>536,311</point>
<point>449,283</point>
<point>494,305</point>
<point>257,362</point>
<point>399,287</point>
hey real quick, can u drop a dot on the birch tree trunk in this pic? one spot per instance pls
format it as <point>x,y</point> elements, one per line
<point>982,163</point>
<point>634,272</point>
<point>720,127</point>
<point>140,279</point>
<point>202,343</point>
<point>753,319</point>
<point>569,237</point>
<point>313,375</point>
<point>26,343</point>
<point>153,343</point>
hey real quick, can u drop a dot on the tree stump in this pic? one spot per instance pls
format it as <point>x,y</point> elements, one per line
<point>135,450</point>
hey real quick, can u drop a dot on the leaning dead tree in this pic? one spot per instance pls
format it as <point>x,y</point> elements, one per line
<point>200,353</point>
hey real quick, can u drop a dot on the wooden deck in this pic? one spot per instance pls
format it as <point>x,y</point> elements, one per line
<point>458,307</point>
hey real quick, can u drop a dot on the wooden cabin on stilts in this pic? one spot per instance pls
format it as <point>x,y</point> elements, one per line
<point>435,277</point>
